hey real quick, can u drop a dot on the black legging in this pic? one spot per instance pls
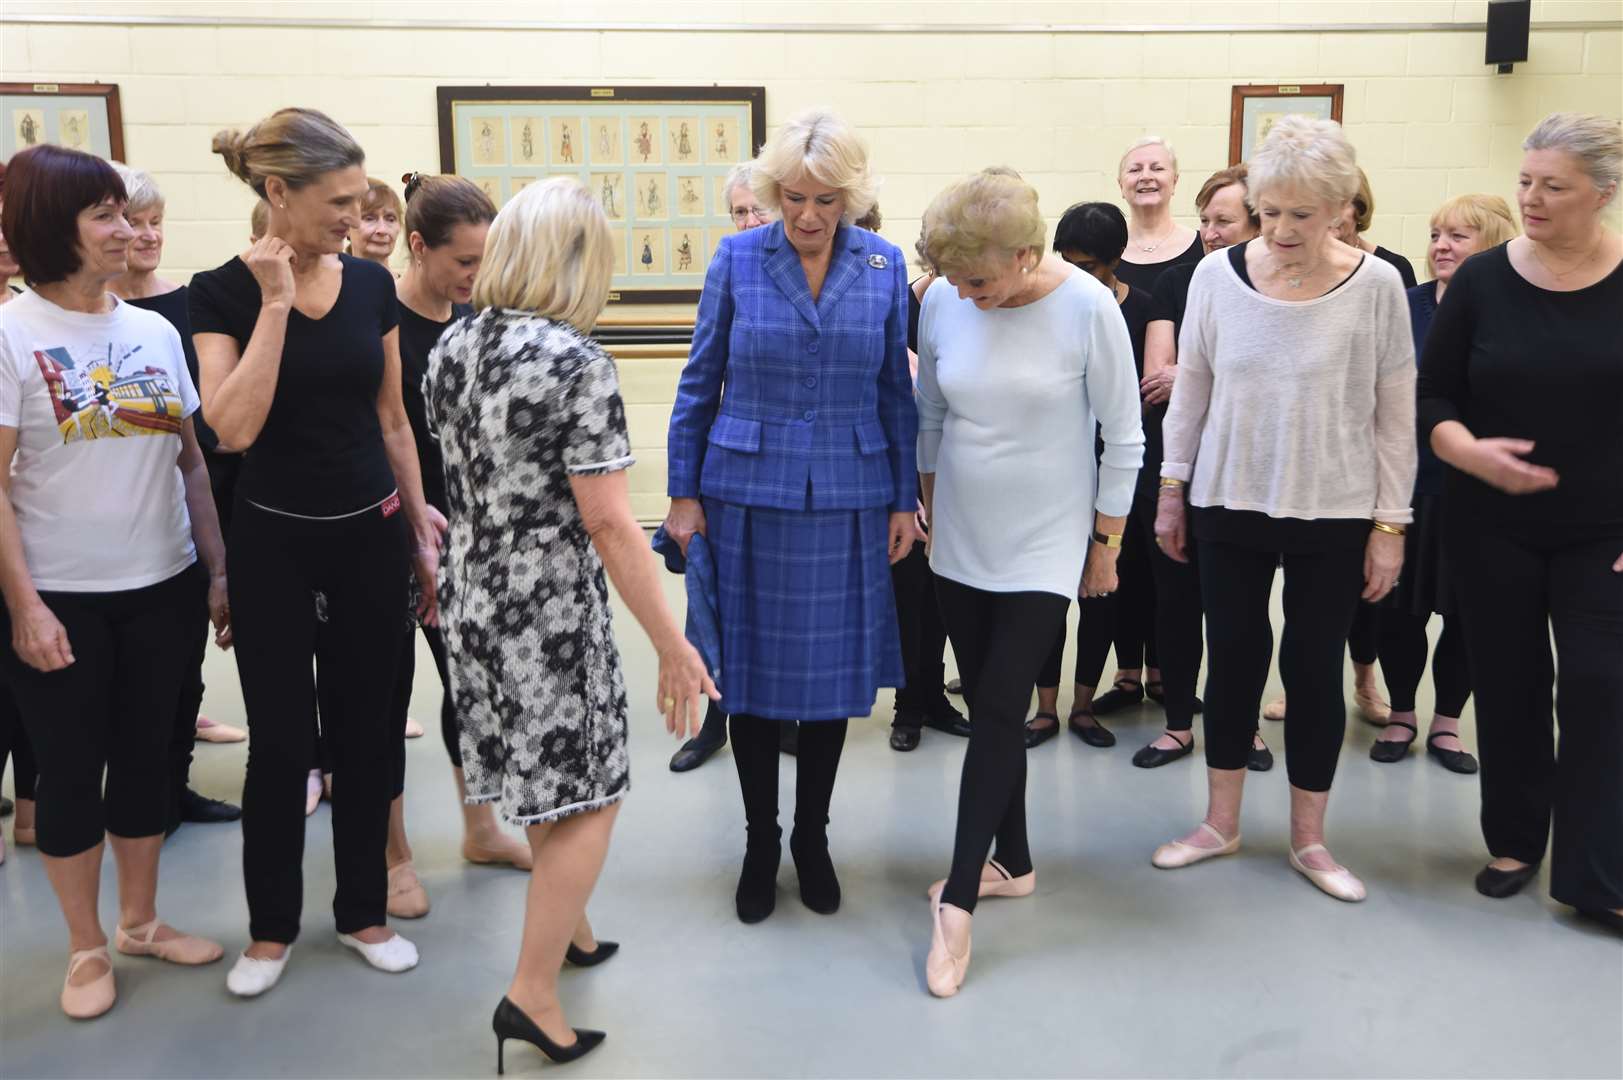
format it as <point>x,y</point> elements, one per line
<point>333,591</point>
<point>101,725</point>
<point>999,640</point>
<point>1403,662</point>
<point>1321,590</point>
<point>1363,640</point>
<point>1511,594</point>
<point>14,744</point>
<point>924,636</point>
<point>817,761</point>
<point>1134,621</point>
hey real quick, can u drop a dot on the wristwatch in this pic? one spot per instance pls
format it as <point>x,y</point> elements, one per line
<point>1109,540</point>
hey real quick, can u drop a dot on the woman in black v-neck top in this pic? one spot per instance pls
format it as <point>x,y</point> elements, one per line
<point>1521,393</point>
<point>299,356</point>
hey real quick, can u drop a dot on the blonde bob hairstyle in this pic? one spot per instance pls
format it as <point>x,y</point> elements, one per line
<point>1148,140</point>
<point>548,251</point>
<point>1304,153</point>
<point>1486,215</point>
<point>140,187</point>
<point>818,145</point>
<point>992,214</point>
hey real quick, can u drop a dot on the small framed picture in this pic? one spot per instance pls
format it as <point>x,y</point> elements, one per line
<point>80,116</point>
<point>1255,109</point>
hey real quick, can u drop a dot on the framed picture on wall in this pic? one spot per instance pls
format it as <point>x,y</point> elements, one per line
<point>654,156</point>
<point>1253,110</point>
<point>83,116</point>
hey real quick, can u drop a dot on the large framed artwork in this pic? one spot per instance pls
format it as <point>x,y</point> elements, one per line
<point>1253,110</point>
<point>84,116</point>
<point>655,157</point>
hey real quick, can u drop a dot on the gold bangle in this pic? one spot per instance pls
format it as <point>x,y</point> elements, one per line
<point>1381,526</point>
<point>1168,482</point>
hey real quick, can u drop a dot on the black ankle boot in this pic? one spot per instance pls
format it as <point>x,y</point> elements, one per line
<point>819,887</point>
<point>758,881</point>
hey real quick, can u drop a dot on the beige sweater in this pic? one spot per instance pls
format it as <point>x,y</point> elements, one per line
<point>1295,409</point>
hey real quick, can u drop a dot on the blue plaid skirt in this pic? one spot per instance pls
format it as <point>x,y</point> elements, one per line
<point>808,616</point>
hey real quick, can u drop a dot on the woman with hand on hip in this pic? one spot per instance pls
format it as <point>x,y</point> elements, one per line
<point>533,433</point>
<point>1321,478</point>
<point>1019,354</point>
<point>799,478</point>
<point>300,356</point>
<point>1521,393</point>
<point>1461,227</point>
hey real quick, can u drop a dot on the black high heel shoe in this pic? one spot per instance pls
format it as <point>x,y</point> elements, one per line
<point>511,1023</point>
<point>582,958</point>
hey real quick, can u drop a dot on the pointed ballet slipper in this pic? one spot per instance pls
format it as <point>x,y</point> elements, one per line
<point>186,949</point>
<point>1178,853</point>
<point>1340,883</point>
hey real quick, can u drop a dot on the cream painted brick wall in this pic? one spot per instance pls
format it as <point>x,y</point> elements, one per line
<point>1430,120</point>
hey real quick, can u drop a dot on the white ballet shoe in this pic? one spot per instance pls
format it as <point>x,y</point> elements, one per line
<point>1340,883</point>
<point>394,956</point>
<point>250,976</point>
<point>1179,854</point>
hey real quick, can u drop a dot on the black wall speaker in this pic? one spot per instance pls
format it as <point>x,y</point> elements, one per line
<point>1508,24</point>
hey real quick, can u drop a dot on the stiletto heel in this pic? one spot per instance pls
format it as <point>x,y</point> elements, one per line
<point>510,1022</point>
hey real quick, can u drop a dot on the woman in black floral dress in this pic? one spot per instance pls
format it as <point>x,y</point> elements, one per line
<point>533,434</point>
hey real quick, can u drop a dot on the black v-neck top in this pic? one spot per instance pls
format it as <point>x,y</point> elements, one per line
<point>418,336</point>
<point>321,452</point>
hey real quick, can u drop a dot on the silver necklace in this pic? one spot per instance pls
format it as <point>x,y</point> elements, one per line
<point>1147,248</point>
<point>1296,282</point>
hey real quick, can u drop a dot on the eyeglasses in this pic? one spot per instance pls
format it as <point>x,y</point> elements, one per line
<point>742,214</point>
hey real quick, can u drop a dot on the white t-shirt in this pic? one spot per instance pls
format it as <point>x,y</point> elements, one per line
<point>1007,402</point>
<point>97,401</point>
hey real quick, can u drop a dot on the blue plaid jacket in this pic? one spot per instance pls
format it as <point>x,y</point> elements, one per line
<point>797,404</point>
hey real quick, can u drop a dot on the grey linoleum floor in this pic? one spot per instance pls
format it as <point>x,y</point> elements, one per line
<point>1234,968</point>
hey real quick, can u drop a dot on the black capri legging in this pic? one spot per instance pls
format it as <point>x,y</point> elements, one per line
<point>1322,585</point>
<point>1403,662</point>
<point>109,712</point>
<point>14,744</point>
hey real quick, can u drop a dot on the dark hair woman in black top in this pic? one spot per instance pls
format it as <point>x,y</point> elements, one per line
<point>1521,393</point>
<point>300,357</point>
<point>1092,236</point>
<point>447,218</point>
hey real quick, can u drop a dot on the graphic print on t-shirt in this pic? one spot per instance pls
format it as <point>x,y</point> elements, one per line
<point>109,393</point>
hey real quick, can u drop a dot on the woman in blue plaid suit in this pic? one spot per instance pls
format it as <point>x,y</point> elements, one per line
<point>790,450</point>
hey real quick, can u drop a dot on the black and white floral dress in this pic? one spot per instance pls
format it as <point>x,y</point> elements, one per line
<point>520,404</point>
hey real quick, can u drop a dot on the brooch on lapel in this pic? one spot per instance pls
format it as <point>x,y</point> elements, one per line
<point>878,262</point>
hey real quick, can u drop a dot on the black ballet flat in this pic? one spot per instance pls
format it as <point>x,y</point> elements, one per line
<point>581,958</point>
<point>956,687</point>
<point>904,739</point>
<point>1126,693</point>
<point>511,1023</point>
<point>1036,736</point>
<point>1455,761</point>
<point>1611,920</point>
<point>1387,751</point>
<point>1094,734</point>
<point>1503,884</point>
<point>1261,759</point>
<point>1153,757</point>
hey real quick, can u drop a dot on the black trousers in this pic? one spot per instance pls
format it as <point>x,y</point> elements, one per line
<point>223,470</point>
<point>1511,593</point>
<point>924,637</point>
<point>999,640</point>
<point>1321,591</point>
<point>108,714</point>
<point>331,591</point>
<point>1134,623</point>
<point>14,744</point>
<point>1403,649</point>
<point>817,761</point>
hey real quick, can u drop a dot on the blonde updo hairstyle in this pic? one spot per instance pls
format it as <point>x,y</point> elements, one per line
<point>141,188</point>
<point>1595,141</point>
<point>1486,215</point>
<point>990,215</point>
<point>1306,153</point>
<point>549,251</point>
<point>819,145</point>
<point>296,145</point>
<point>1148,140</point>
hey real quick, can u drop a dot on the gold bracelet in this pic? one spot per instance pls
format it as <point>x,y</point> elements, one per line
<point>1381,526</point>
<point>1168,482</point>
<point>1109,540</point>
